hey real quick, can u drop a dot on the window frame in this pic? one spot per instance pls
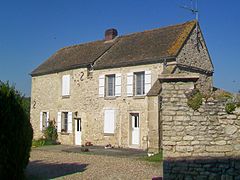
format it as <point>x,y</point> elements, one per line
<point>107,77</point>
<point>136,74</point>
<point>64,121</point>
<point>44,120</point>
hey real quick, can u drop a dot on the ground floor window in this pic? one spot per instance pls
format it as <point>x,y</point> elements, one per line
<point>64,122</point>
<point>44,118</point>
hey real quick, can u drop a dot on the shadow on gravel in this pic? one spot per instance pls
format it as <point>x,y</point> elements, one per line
<point>42,170</point>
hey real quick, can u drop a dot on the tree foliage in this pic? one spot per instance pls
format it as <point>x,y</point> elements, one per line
<point>15,133</point>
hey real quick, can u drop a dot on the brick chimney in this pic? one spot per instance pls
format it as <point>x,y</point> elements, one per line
<point>110,34</point>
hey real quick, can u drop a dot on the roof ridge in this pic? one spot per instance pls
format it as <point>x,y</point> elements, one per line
<point>164,27</point>
<point>82,44</point>
<point>125,35</point>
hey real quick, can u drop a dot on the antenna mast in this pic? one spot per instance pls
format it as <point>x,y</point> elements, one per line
<point>194,10</point>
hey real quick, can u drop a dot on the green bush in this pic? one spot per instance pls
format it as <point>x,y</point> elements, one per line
<point>51,132</point>
<point>230,107</point>
<point>15,134</point>
<point>43,142</point>
<point>195,99</point>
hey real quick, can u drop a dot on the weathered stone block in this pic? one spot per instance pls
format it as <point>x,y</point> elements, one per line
<point>178,128</point>
<point>188,138</point>
<point>225,148</point>
<point>184,143</point>
<point>222,142</point>
<point>169,143</point>
<point>230,129</point>
<point>195,143</point>
<point>184,148</point>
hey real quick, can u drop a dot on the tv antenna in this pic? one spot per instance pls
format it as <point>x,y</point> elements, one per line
<point>194,10</point>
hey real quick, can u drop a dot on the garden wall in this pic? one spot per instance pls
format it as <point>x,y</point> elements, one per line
<point>200,144</point>
<point>208,131</point>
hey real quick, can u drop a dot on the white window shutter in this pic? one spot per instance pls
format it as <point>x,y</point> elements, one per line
<point>41,123</point>
<point>47,119</point>
<point>130,84</point>
<point>147,81</point>
<point>59,119</point>
<point>69,122</point>
<point>101,85</point>
<point>66,85</point>
<point>118,85</point>
<point>109,121</point>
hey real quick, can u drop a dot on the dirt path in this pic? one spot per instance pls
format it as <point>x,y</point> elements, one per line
<point>64,165</point>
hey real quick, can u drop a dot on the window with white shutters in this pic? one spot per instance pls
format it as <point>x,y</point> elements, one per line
<point>64,122</point>
<point>65,85</point>
<point>109,121</point>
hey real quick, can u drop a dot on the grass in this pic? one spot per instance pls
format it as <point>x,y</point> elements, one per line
<point>157,158</point>
<point>42,142</point>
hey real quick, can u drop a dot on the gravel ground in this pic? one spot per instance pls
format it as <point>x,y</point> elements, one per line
<point>65,165</point>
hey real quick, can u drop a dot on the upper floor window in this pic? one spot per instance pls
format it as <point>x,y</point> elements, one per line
<point>139,83</point>
<point>65,85</point>
<point>110,85</point>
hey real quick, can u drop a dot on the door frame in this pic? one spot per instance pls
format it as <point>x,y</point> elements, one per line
<point>131,114</point>
<point>75,131</point>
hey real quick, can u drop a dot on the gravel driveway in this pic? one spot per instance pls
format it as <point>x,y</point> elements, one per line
<point>65,165</point>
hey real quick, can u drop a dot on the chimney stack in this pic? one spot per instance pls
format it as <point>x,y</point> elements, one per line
<point>110,34</point>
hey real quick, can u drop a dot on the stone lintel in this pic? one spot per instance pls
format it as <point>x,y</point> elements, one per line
<point>185,77</point>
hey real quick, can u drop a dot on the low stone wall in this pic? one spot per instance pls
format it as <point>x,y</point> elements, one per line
<point>210,168</point>
<point>208,131</point>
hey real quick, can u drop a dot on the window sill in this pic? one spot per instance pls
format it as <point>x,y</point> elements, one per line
<point>108,134</point>
<point>64,133</point>
<point>139,97</point>
<point>110,97</point>
<point>66,97</point>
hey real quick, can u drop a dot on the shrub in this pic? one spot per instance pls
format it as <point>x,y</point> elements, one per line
<point>230,107</point>
<point>39,142</point>
<point>195,99</point>
<point>43,142</point>
<point>51,132</point>
<point>15,134</point>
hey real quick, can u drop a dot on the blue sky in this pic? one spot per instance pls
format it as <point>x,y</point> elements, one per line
<point>31,31</point>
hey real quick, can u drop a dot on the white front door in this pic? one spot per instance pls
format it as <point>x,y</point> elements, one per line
<point>135,129</point>
<point>78,132</point>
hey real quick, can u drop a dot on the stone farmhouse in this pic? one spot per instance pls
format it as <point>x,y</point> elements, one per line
<point>108,91</point>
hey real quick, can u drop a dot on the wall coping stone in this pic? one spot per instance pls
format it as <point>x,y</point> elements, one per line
<point>178,77</point>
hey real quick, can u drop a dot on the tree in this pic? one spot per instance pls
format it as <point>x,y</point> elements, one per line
<point>15,134</point>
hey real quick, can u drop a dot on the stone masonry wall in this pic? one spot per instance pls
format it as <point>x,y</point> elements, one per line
<point>84,98</point>
<point>191,56</point>
<point>208,131</point>
<point>201,168</point>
